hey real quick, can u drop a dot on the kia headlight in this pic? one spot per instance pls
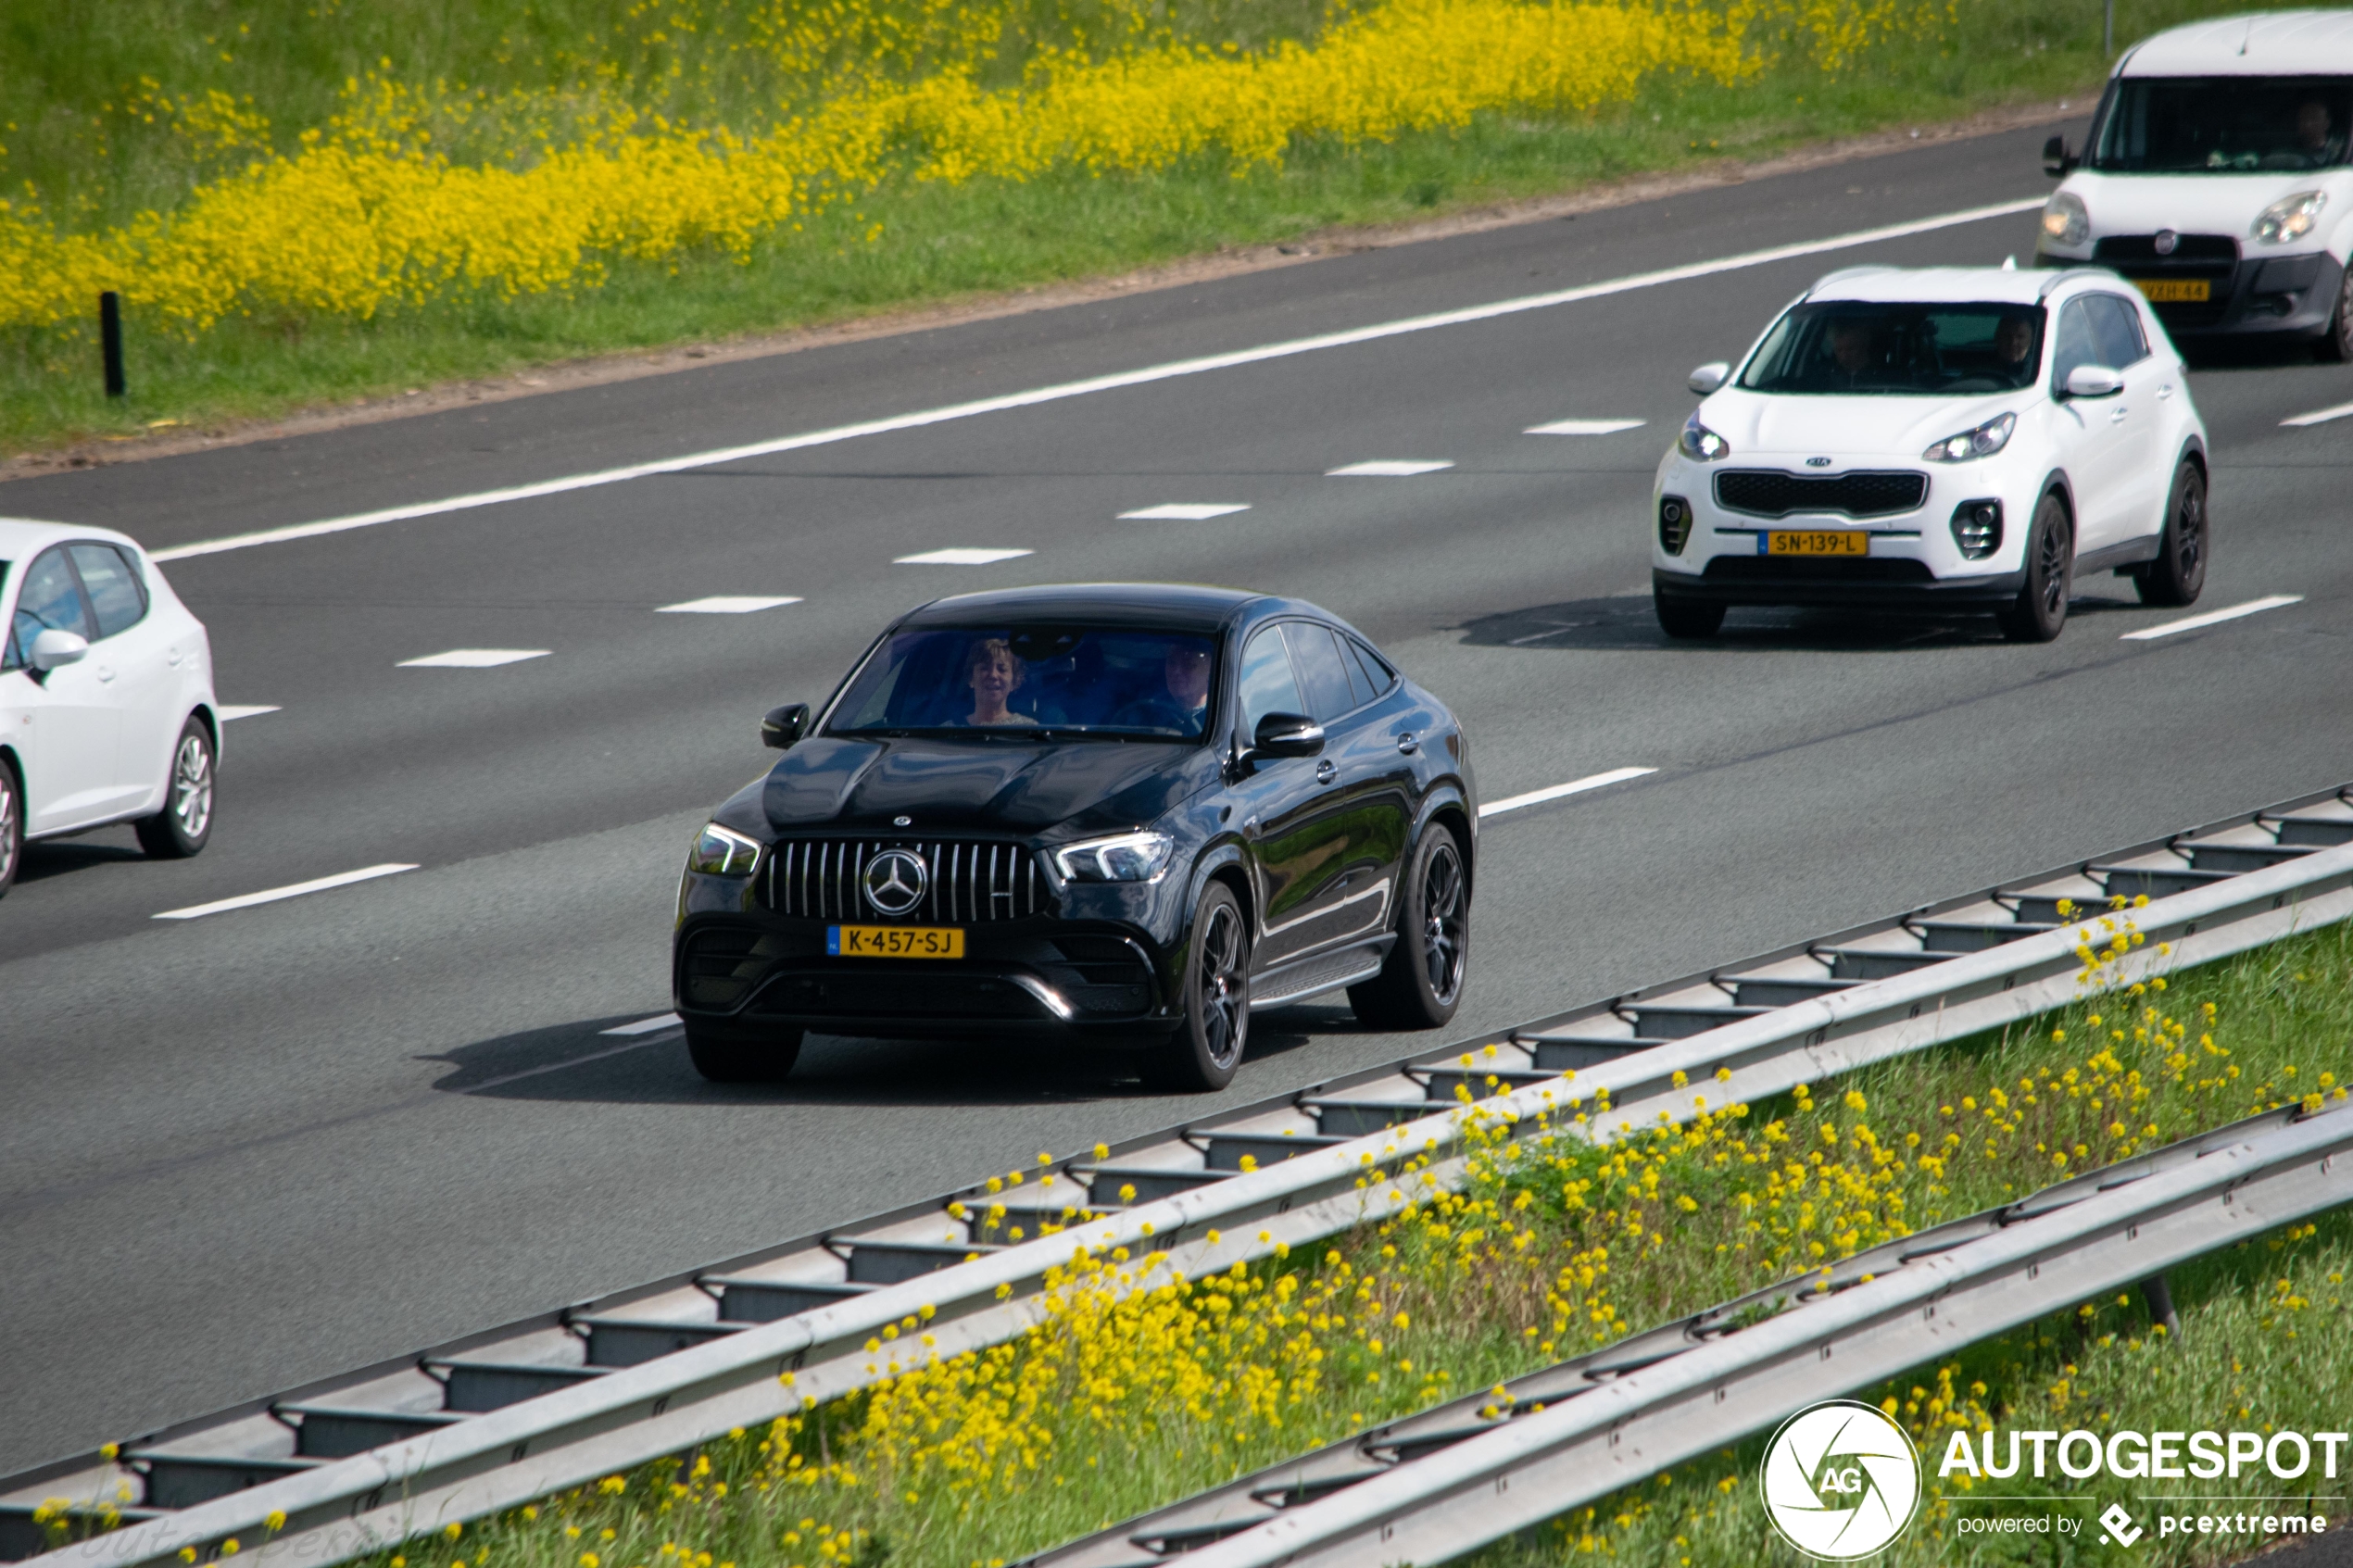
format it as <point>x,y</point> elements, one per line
<point>2290,218</point>
<point>1698,441</point>
<point>2066,219</point>
<point>723,852</point>
<point>1982,441</point>
<point>1128,856</point>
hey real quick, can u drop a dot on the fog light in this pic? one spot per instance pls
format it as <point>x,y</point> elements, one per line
<point>1977,527</point>
<point>1674,523</point>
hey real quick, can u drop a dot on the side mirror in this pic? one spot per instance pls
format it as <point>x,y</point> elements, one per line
<point>1710,376</point>
<point>2057,162</point>
<point>779,727</point>
<point>1286,735</point>
<point>54,648</point>
<point>2093,380</point>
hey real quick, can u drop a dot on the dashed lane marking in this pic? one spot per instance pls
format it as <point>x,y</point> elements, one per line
<point>272,895</point>
<point>231,711</point>
<point>1185,511</point>
<point>472,658</point>
<point>2321,416</point>
<point>2211,618</point>
<point>728,604</point>
<point>1389,468</point>
<point>958,557</point>
<point>1583,427</point>
<point>1555,792</point>
<point>645,1025</point>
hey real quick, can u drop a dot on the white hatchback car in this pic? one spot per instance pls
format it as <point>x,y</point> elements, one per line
<point>106,711</point>
<point>1938,439</point>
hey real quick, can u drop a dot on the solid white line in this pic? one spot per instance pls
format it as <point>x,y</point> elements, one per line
<point>230,710</point>
<point>1182,511</point>
<point>1575,787</point>
<point>2321,416</point>
<point>1583,427</point>
<point>2211,618</point>
<point>472,658</point>
<point>248,900</point>
<point>1106,384</point>
<point>728,604</point>
<point>645,1025</point>
<point>1386,468</point>
<point>959,556</point>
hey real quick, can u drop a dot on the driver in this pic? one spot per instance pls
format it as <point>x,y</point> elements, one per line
<point>1854,350</point>
<point>1187,671</point>
<point>2312,129</point>
<point>994,672</point>
<point>2014,347</point>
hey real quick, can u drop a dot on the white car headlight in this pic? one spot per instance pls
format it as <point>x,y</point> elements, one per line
<point>1698,441</point>
<point>1128,856</point>
<point>723,852</point>
<point>1982,441</point>
<point>2290,218</point>
<point>2066,219</point>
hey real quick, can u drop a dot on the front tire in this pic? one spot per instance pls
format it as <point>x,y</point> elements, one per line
<point>2039,613</point>
<point>1206,1051</point>
<point>1688,620</point>
<point>184,824</point>
<point>2336,344</point>
<point>2177,574</point>
<point>11,825</point>
<point>730,1056</point>
<point>1421,984</point>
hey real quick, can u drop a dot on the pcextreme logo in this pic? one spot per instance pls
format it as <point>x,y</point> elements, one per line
<point>1840,1480</point>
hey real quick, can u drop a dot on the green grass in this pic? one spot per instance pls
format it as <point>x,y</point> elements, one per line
<point>77,138</point>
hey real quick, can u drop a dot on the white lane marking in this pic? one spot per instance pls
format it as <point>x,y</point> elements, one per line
<point>2211,618</point>
<point>728,604</point>
<point>231,710</point>
<point>559,1066</point>
<point>472,658</point>
<point>1106,383</point>
<point>2321,416</point>
<point>1583,427</point>
<point>645,1025</point>
<point>1575,787</point>
<point>961,555</point>
<point>246,901</point>
<point>1185,511</point>
<point>1387,468</point>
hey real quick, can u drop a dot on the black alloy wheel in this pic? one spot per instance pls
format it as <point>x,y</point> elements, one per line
<point>181,829</point>
<point>2336,344</point>
<point>2177,574</point>
<point>2039,613</point>
<point>1421,984</point>
<point>11,825</point>
<point>1206,1051</point>
<point>1689,620</point>
<point>739,1056</point>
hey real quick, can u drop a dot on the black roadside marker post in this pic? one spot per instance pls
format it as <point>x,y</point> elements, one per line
<point>110,339</point>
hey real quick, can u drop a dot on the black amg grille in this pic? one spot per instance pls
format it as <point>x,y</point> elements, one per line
<point>1817,568</point>
<point>966,884</point>
<point>1765,493</point>
<point>2192,252</point>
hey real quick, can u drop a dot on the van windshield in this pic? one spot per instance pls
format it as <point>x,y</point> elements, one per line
<point>1848,347</point>
<point>2223,124</point>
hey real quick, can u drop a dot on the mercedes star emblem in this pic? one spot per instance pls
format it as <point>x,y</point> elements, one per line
<point>902,821</point>
<point>895,881</point>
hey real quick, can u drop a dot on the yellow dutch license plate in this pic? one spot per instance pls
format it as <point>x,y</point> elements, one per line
<point>2177,291</point>
<point>1824,541</point>
<point>895,941</point>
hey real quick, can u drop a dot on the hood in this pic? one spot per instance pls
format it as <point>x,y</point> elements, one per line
<point>946,785</point>
<point>1779,425</point>
<point>2207,204</point>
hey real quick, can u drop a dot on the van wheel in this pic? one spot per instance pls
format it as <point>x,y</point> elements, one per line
<point>181,829</point>
<point>2039,613</point>
<point>2336,344</point>
<point>2179,571</point>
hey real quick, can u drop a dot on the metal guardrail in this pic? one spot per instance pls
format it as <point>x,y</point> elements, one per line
<point>1384,1468</point>
<point>362,1462</point>
<point>1441,1484</point>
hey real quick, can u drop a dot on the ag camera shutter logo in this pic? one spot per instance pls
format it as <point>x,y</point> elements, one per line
<point>1840,1480</point>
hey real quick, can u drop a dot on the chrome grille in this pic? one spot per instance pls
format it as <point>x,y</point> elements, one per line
<point>964,884</point>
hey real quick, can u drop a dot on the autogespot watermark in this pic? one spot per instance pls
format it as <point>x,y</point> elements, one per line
<point>1842,1481</point>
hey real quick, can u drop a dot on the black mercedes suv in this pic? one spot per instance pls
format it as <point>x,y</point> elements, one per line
<point>1124,814</point>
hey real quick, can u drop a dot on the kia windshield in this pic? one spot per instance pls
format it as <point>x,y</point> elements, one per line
<point>2223,125</point>
<point>1863,347</point>
<point>1039,682</point>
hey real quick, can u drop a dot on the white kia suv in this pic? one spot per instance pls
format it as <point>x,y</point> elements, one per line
<point>1940,439</point>
<point>2219,178</point>
<point>107,711</point>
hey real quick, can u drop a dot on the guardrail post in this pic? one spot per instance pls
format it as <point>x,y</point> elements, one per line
<point>110,339</point>
<point>2159,1297</point>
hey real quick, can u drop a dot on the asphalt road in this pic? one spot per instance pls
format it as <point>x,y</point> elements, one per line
<point>262,1146</point>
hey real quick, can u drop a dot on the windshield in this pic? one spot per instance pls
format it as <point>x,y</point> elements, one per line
<point>1036,681</point>
<point>2223,124</point>
<point>1919,350</point>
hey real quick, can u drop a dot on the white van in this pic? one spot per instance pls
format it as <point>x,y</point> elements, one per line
<point>2217,178</point>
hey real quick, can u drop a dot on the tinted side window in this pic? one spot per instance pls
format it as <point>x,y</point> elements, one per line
<point>2117,327</point>
<point>1360,683</point>
<point>1376,669</point>
<point>2077,345</point>
<point>1330,692</point>
<point>50,600</point>
<point>116,596</point>
<point>1267,684</point>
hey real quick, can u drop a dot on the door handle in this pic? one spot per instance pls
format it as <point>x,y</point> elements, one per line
<point>1325,772</point>
<point>1406,744</point>
<point>105,672</point>
<point>2116,415</point>
<point>2165,389</point>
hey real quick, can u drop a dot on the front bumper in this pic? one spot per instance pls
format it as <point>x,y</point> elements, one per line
<point>2250,296</point>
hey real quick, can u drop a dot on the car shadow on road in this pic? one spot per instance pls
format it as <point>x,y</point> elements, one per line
<point>62,857</point>
<point>1630,625</point>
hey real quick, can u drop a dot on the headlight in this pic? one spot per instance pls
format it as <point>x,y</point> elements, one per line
<point>721,852</point>
<point>1982,441</point>
<point>1130,856</point>
<point>2290,218</point>
<point>2066,219</point>
<point>1698,441</point>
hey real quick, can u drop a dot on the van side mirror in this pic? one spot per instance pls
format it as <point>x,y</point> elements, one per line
<point>779,727</point>
<point>2057,162</point>
<point>1285,734</point>
<point>1708,377</point>
<point>54,648</point>
<point>2093,380</point>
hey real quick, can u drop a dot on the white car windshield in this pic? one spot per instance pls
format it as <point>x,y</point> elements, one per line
<point>1053,683</point>
<point>1869,347</point>
<point>2223,124</point>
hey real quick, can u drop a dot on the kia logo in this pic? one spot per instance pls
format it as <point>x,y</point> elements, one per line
<point>895,881</point>
<point>2166,240</point>
<point>1817,462</point>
